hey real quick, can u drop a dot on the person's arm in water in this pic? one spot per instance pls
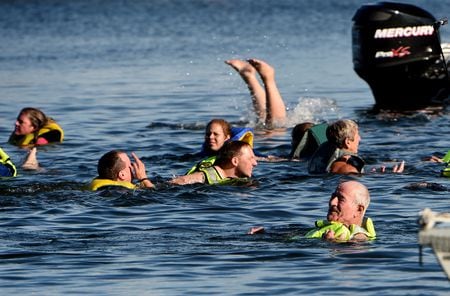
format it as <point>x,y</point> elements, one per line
<point>31,162</point>
<point>255,230</point>
<point>198,177</point>
<point>330,236</point>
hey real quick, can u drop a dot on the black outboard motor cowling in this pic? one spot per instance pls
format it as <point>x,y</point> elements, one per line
<point>397,51</point>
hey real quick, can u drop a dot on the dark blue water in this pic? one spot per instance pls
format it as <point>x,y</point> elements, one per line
<point>146,76</point>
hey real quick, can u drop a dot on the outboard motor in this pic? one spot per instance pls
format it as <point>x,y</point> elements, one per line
<point>397,51</point>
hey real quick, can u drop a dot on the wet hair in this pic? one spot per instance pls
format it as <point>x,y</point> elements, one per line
<point>340,130</point>
<point>226,127</point>
<point>297,134</point>
<point>37,117</point>
<point>228,151</point>
<point>110,164</point>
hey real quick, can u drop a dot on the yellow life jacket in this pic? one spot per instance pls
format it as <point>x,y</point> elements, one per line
<point>205,163</point>
<point>30,139</point>
<point>446,171</point>
<point>6,161</point>
<point>212,177</point>
<point>341,231</point>
<point>97,184</point>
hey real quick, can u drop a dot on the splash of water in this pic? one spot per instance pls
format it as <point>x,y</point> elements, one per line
<point>313,110</point>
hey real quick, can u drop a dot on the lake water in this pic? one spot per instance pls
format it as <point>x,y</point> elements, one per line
<point>146,76</point>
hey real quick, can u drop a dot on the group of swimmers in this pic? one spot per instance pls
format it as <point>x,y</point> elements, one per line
<point>228,156</point>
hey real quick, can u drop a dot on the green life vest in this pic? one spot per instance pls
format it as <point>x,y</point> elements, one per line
<point>6,161</point>
<point>97,184</point>
<point>341,231</point>
<point>447,157</point>
<point>205,163</point>
<point>446,171</point>
<point>318,133</point>
<point>212,177</point>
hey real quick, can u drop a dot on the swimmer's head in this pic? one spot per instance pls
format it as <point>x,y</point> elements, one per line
<point>344,134</point>
<point>217,132</point>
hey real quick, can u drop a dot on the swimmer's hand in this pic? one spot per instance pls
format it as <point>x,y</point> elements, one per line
<point>398,168</point>
<point>329,235</point>
<point>140,173</point>
<point>31,162</point>
<point>255,230</point>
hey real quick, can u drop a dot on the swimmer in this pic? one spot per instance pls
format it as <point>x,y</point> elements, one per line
<point>33,127</point>
<point>346,210</point>
<point>115,169</point>
<point>339,155</point>
<point>217,133</point>
<point>267,100</point>
<point>346,219</point>
<point>235,160</point>
<point>306,138</point>
<point>270,107</point>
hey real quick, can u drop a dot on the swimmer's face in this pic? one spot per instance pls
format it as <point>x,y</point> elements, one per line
<point>342,205</point>
<point>215,137</point>
<point>353,145</point>
<point>126,174</point>
<point>23,125</point>
<point>246,161</point>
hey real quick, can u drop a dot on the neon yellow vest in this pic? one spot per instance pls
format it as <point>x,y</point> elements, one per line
<point>99,183</point>
<point>6,161</point>
<point>446,157</point>
<point>212,177</point>
<point>446,171</point>
<point>341,231</point>
<point>205,163</point>
<point>30,139</point>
